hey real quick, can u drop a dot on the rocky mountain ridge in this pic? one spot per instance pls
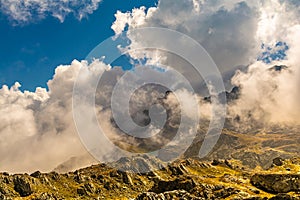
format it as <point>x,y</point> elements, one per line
<point>183,179</point>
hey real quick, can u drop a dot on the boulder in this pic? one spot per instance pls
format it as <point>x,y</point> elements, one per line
<point>277,183</point>
<point>278,161</point>
<point>22,186</point>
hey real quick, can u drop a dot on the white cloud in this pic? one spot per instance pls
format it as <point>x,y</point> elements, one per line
<point>231,31</point>
<point>268,96</point>
<point>22,11</point>
<point>227,31</point>
<point>37,127</point>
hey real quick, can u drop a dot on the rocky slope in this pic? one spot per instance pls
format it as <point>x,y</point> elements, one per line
<point>183,179</point>
<point>253,148</point>
<point>253,165</point>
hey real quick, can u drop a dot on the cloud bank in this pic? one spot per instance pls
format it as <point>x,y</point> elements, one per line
<point>270,95</point>
<point>23,11</point>
<point>233,32</point>
<point>36,127</point>
<point>38,131</point>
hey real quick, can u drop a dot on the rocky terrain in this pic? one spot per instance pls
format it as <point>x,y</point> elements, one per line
<point>253,148</point>
<point>253,165</point>
<point>183,179</point>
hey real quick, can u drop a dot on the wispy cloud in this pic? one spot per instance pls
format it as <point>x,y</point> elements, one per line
<point>24,11</point>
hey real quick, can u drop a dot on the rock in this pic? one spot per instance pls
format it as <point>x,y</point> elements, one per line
<point>46,196</point>
<point>181,179</point>
<point>90,188</point>
<point>6,192</point>
<point>54,175</point>
<point>177,184</point>
<point>22,186</point>
<point>228,164</point>
<point>277,183</point>
<point>141,164</point>
<point>243,195</point>
<point>148,196</point>
<point>278,161</point>
<point>109,186</point>
<point>126,178</point>
<point>227,178</point>
<point>81,191</point>
<point>36,174</point>
<point>175,194</point>
<point>225,192</point>
<point>255,191</point>
<point>231,96</point>
<point>224,163</point>
<point>79,178</point>
<point>178,170</point>
<point>283,197</point>
<point>216,162</point>
<point>86,189</point>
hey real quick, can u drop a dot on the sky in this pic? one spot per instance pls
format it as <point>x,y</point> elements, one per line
<point>30,51</point>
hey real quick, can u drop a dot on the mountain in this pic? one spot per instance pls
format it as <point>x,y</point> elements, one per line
<point>230,96</point>
<point>183,179</point>
<point>253,149</point>
<point>258,163</point>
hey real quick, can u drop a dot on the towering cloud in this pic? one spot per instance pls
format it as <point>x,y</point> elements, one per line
<point>231,31</point>
<point>270,95</point>
<point>37,129</point>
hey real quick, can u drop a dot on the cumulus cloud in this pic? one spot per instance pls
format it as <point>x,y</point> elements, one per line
<point>37,128</point>
<point>231,31</point>
<point>224,31</point>
<point>22,11</point>
<point>38,131</point>
<point>271,96</point>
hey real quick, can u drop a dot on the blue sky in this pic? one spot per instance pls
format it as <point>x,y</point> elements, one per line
<point>30,53</point>
<point>274,53</point>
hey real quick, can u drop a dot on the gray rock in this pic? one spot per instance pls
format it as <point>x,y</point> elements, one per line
<point>177,184</point>
<point>277,183</point>
<point>22,186</point>
<point>278,161</point>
